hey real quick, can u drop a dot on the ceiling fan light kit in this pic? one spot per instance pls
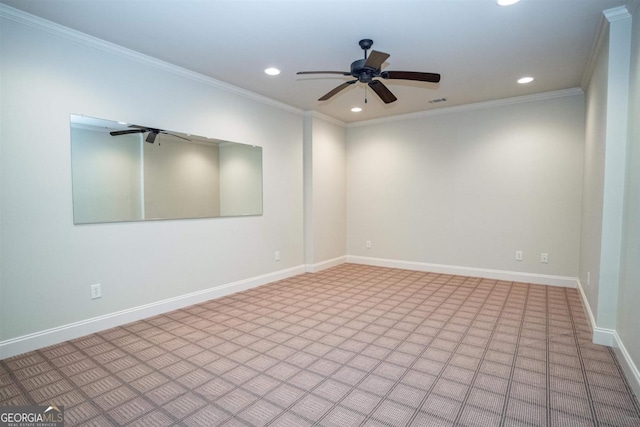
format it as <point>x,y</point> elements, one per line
<point>370,68</point>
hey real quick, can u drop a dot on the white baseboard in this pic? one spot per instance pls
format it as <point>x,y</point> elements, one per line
<point>314,268</point>
<point>629,368</point>
<point>610,338</point>
<point>512,276</point>
<point>601,336</point>
<point>23,344</point>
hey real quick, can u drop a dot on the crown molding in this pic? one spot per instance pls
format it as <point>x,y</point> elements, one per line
<point>321,116</point>
<point>112,48</point>
<point>616,13</point>
<point>603,25</point>
<point>475,106</point>
<point>608,16</point>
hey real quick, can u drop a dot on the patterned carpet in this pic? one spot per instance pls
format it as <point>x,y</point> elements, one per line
<point>350,346</point>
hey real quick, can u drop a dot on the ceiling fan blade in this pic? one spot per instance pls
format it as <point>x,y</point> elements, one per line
<point>336,90</point>
<point>411,75</point>
<point>174,135</point>
<point>382,91</point>
<point>376,59</point>
<point>125,132</point>
<point>342,73</point>
<point>151,137</point>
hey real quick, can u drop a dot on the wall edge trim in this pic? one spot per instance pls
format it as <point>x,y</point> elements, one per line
<point>40,339</point>
<point>323,265</point>
<point>513,276</point>
<point>616,13</point>
<point>610,338</point>
<point>603,26</point>
<point>322,116</point>
<point>600,336</point>
<point>475,106</point>
<point>630,370</point>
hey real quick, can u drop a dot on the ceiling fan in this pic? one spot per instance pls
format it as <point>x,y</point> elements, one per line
<point>367,69</point>
<point>153,133</point>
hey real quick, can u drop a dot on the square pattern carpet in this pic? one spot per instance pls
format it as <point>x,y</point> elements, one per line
<point>353,345</point>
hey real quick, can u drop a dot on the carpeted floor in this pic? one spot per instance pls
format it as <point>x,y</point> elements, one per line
<point>350,346</point>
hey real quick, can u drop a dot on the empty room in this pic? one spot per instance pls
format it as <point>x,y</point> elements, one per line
<point>319,213</point>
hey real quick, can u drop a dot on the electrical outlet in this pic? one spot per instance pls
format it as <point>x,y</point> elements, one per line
<point>96,291</point>
<point>277,256</point>
<point>519,256</point>
<point>368,244</point>
<point>544,258</point>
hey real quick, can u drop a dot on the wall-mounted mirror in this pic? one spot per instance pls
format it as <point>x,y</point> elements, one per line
<point>128,172</point>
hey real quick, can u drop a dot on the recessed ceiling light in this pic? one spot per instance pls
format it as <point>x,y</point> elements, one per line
<point>525,80</point>
<point>123,123</point>
<point>356,109</point>
<point>506,2</point>
<point>272,71</point>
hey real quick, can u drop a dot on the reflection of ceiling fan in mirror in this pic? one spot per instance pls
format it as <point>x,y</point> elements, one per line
<point>365,70</point>
<point>153,133</point>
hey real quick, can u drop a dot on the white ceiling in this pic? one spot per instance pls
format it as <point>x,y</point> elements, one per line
<point>479,47</point>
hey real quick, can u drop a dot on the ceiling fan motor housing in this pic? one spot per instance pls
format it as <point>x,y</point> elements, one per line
<point>362,73</point>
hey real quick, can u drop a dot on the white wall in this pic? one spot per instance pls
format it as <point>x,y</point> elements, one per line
<point>605,164</point>
<point>628,316</point>
<point>614,165</point>
<point>593,181</point>
<point>325,192</point>
<point>609,267</point>
<point>469,187</point>
<point>48,263</point>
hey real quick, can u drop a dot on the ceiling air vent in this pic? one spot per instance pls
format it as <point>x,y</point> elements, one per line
<point>437,100</point>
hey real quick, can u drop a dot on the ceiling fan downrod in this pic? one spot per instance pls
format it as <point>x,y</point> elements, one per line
<point>365,44</point>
